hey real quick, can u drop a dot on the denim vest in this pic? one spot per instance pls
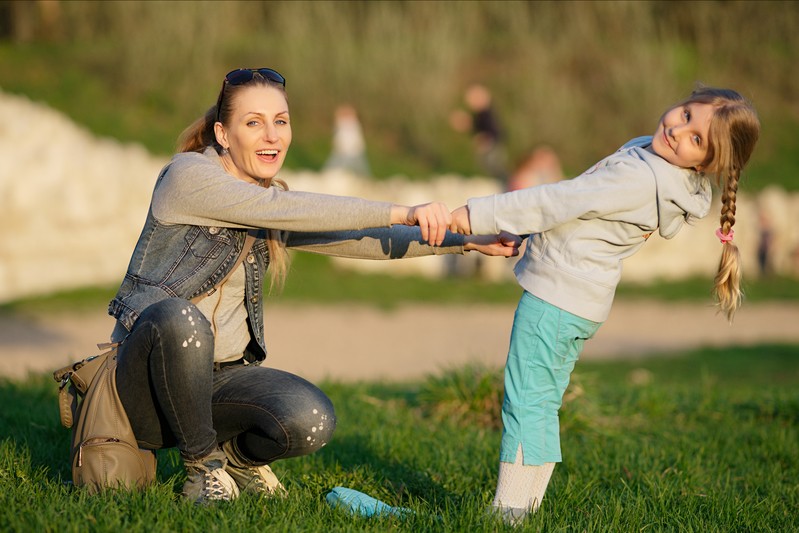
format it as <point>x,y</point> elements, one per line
<point>184,261</point>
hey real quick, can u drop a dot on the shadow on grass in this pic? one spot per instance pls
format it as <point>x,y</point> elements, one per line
<point>399,477</point>
<point>30,420</point>
<point>32,425</point>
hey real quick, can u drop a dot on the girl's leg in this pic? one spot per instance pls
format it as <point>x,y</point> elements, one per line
<point>545,344</point>
<point>164,377</point>
<point>520,487</point>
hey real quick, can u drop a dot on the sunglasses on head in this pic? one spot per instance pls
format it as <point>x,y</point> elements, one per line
<point>240,76</point>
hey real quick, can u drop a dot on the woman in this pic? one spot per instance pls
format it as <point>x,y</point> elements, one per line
<point>189,310</point>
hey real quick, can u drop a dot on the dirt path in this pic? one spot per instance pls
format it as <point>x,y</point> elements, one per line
<point>350,343</point>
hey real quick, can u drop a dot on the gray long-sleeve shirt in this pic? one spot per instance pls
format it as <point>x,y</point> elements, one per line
<point>197,191</point>
<point>581,229</point>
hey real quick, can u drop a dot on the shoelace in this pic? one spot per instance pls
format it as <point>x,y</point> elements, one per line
<point>257,479</point>
<point>212,487</point>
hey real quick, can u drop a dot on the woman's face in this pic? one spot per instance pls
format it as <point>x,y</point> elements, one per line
<point>259,133</point>
<point>681,137</point>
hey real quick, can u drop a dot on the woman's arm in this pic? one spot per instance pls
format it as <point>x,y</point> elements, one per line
<point>196,190</point>
<point>432,218</point>
<point>396,242</point>
<point>399,242</point>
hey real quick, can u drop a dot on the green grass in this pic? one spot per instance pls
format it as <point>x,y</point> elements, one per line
<point>314,279</point>
<point>700,441</point>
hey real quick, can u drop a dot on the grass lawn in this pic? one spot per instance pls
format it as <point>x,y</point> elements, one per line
<point>698,441</point>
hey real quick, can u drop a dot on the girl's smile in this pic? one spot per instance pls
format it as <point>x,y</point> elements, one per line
<point>682,137</point>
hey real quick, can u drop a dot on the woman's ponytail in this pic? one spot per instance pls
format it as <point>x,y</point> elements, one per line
<point>200,133</point>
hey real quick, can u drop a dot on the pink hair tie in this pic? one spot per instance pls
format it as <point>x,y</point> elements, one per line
<point>724,238</point>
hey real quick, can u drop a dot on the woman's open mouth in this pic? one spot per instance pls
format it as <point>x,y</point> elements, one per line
<point>269,156</point>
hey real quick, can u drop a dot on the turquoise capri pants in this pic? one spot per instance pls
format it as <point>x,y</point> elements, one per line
<point>545,344</point>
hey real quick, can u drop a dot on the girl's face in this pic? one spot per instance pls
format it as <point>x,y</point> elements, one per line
<point>258,136</point>
<point>681,137</point>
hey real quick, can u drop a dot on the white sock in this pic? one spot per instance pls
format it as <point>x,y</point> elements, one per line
<point>522,486</point>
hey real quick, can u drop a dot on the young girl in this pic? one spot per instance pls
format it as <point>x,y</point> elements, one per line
<point>580,231</point>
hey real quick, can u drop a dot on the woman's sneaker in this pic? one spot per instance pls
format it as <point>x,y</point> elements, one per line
<point>207,481</point>
<point>251,478</point>
<point>257,479</point>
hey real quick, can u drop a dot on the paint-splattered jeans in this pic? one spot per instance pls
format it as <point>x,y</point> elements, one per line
<point>173,396</point>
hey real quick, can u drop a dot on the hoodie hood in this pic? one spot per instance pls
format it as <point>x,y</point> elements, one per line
<point>683,195</point>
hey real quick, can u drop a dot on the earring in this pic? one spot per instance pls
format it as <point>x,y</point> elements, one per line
<point>225,151</point>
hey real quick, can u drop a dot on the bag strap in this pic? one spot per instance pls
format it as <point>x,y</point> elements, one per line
<point>248,242</point>
<point>75,379</point>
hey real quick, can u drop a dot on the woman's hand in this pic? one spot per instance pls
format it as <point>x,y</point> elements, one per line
<point>433,219</point>
<point>460,221</point>
<point>505,244</point>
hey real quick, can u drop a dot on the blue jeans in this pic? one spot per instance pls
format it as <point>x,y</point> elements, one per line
<point>174,397</point>
<point>545,344</point>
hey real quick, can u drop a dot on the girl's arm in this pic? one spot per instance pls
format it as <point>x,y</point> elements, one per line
<point>503,245</point>
<point>620,190</point>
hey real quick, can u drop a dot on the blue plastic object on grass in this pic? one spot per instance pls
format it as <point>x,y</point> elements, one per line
<point>358,503</point>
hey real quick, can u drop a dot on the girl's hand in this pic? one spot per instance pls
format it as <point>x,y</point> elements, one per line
<point>432,218</point>
<point>460,221</point>
<point>505,244</point>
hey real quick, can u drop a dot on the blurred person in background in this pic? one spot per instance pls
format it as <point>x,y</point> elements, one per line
<point>538,167</point>
<point>480,121</point>
<point>487,138</point>
<point>189,309</point>
<point>349,147</point>
<point>765,243</point>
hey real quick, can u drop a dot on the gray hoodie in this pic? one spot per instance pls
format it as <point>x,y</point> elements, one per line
<point>581,229</point>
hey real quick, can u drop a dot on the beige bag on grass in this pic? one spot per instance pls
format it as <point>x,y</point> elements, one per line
<point>104,453</point>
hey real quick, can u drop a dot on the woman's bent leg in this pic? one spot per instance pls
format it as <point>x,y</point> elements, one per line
<point>267,414</point>
<point>165,375</point>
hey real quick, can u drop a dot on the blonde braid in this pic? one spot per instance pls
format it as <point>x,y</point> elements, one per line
<point>733,133</point>
<point>727,286</point>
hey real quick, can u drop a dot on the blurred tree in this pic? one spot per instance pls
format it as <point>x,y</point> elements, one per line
<point>582,77</point>
<point>25,22</point>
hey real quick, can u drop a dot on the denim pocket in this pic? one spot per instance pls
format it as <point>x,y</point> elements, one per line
<point>207,242</point>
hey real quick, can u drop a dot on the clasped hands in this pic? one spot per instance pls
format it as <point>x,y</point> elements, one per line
<point>434,219</point>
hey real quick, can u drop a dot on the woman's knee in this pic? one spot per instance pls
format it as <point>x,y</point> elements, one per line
<point>314,419</point>
<point>179,323</point>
